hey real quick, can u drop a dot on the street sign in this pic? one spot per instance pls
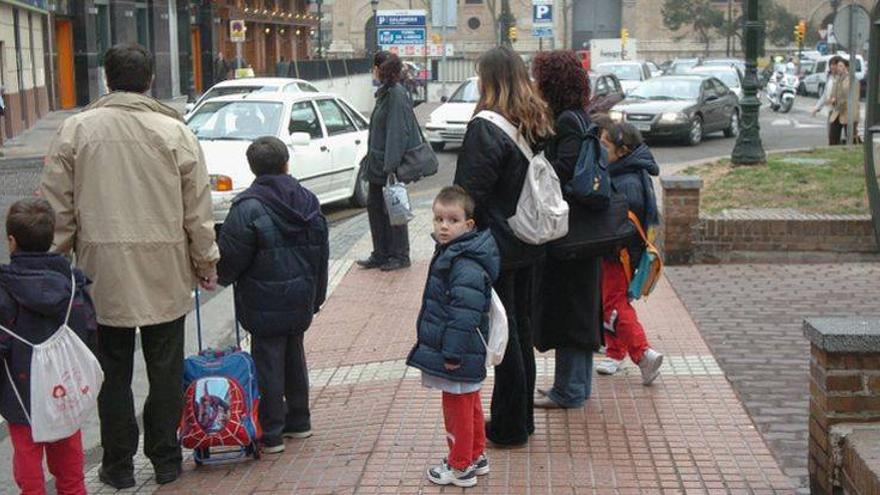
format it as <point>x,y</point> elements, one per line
<point>400,18</point>
<point>861,26</point>
<point>403,29</point>
<point>542,32</point>
<point>822,47</point>
<point>402,36</point>
<point>237,31</point>
<point>542,11</point>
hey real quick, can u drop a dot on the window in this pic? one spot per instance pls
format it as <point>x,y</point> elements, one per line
<point>335,119</point>
<point>292,88</point>
<point>361,123</point>
<point>474,22</point>
<point>307,88</point>
<point>304,119</point>
<point>602,88</point>
<point>237,120</point>
<point>473,2</point>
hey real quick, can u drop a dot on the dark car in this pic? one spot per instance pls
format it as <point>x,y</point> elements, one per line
<point>605,92</point>
<point>680,107</point>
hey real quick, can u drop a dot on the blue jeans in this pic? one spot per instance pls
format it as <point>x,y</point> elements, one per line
<point>574,377</point>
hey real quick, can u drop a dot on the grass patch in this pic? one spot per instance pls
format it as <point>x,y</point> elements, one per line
<point>835,187</point>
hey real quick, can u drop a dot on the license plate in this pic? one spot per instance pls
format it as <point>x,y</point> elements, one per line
<point>642,126</point>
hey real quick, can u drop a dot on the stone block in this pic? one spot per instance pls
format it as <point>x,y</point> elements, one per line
<point>845,335</point>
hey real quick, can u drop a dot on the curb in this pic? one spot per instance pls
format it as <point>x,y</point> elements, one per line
<point>675,168</point>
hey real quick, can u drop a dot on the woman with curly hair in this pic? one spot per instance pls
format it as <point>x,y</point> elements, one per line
<point>493,169</point>
<point>571,309</point>
<point>393,130</point>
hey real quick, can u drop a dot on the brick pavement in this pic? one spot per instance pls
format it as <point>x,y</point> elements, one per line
<point>751,317</point>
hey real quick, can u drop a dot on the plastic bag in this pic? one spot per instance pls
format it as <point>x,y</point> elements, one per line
<point>397,202</point>
<point>498,332</point>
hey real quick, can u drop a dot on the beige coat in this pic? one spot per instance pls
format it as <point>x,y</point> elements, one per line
<point>840,99</point>
<point>132,199</point>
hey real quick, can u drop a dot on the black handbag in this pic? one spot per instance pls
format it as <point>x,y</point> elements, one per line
<point>417,163</point>
<point>593,232</point>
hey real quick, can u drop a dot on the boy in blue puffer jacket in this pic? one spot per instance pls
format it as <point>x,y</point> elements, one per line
<point>450,351</point>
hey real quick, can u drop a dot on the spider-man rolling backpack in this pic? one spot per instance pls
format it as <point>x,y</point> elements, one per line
<point>221,401</point>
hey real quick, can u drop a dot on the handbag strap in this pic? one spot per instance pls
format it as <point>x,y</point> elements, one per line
<point>509,129</point>
<point>635,220</point>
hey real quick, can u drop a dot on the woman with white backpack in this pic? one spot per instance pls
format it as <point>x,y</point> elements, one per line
<point>492,168</point>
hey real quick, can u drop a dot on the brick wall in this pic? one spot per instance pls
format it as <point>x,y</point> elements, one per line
<point>681,210</point>
<point>860,467</point>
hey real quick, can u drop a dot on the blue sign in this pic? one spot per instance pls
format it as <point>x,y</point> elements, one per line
<point>542,13</point>
<point>400,18</point>
<point>822,47</point>
<point>402,36</point>
<point>542,32</point>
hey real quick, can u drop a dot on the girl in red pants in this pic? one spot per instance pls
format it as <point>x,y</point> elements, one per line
<point>630,165</point>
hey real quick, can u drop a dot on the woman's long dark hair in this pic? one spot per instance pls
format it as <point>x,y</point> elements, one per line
<point>390,68</point>
<point>562,80</point>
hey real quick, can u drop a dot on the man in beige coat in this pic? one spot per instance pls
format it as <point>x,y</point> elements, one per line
<point>132,195</point>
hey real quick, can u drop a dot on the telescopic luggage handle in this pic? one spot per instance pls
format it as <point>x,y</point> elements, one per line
<point>199,320</point>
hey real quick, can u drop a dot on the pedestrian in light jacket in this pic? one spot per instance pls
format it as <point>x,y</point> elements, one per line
<point>274,248</point>
<point>393,131</point>
<point>132,199</point>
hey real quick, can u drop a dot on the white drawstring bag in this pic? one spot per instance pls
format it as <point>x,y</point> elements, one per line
<point>65,381</point>
<point>498,332</point>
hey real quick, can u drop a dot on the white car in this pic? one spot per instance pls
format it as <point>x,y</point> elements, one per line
<point>814,83</point>
<point>630,74</point>
<point>447,124</point>
<point>729,75</point>
<point>253,85</point>
<point>327,139</point>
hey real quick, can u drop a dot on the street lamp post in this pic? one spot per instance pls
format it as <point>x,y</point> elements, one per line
<point>749,150</point>
<point>320,29</point>
<point>835,4</point>
<point>375,5</point>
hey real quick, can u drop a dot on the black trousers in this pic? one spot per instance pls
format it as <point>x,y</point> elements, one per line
<point>388,241</point>
<point>512,415</point>
<point>284,384</point>
<point>835,129</point>
<point>162,346</point>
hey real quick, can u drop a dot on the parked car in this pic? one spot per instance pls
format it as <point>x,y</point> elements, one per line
<point>326,136</point>
<point>655,71</point>
<point>630,74</point>
<point>681,66</point>
<point>447,124</point>
<point>807,67</point>
<point>680,107</point>
<point>726,62</point>
<point>253,85</point>
<point>605,92</point>
<point>814,83</point>
<point>729,75</point>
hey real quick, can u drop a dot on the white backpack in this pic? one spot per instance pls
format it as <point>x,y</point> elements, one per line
<point>65,381</point>
<point>498,329</point>
<point>541,212</point>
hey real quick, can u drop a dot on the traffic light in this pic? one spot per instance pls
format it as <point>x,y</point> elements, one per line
<point>624,36</point>
<point>512,33</point>
<point>800,32</point>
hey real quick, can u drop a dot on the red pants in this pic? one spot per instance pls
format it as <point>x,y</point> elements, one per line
<point>465,428</point>
<point>65,459</point>
<point>625,334</point>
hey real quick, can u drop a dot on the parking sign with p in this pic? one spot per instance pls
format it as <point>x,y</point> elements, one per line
<point>542,12</point>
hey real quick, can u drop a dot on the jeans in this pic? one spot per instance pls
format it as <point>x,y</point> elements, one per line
<point>388,242</point>
<point>163,352</point>
<point>465,428</point>
<point>64,457</point>
<point>574,377</point>
<point>283,378</point>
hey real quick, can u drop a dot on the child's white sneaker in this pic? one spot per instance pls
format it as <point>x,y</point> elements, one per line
<point>608,366</point>
<point>650,366</point>
<point>444,474</point>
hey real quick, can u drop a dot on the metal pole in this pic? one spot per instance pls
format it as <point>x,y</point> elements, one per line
<point>729,25</point>
<point>851,101</point>
<point>832,47</point>
<point>320,31</point>
<point>749,150</point>
<point>239,62</point>
<point>443,57</point>
<point>873,115</point>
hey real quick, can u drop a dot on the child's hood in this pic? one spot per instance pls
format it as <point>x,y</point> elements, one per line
<point>39,282</point>
<point>285,196</point>
<point>479,246</point>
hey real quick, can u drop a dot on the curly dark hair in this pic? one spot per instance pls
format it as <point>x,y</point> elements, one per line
<point>390,68</point>
<point>562,80</point>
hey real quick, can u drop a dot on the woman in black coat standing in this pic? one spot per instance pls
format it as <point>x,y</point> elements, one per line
<point>393,131</point>
<point>571,309</point>
<point>493,169</point>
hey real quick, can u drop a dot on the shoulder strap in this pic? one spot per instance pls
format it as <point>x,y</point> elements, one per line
<point>509,129</point>
<point>15,389</point>
<point>17,337</point>
<point>635,220</point>
<point>72,296</point>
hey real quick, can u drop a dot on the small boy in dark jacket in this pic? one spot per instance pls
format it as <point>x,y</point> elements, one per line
<point>450,350</point>
<point>274,247</point>
<point>35,294</point>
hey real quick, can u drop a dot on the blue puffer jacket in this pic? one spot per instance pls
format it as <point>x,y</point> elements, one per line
<point>454,306</point>
<point>274,247</point>
<point>631,175</point>
<point>34,294</point>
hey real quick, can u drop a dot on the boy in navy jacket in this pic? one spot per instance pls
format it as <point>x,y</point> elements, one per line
<point>35,293</point>
<point>274,247</point>
<point>450,350</point>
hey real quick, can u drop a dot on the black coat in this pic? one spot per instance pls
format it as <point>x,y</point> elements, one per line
<point>571,297</point>
<point>455,307</point>
<point>393,130</point>
<point>493,169</point>
<point>274,247</point>
<point>34,294</point>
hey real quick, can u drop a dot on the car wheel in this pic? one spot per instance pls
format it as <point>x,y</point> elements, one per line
<point>802,89</point>
<point>733,129</point>
<point>361,188</point>
<point>438,147</point>
<point>695,135</point>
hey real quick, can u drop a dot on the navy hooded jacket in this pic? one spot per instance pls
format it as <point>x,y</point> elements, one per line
<point>631,175</point>
<point>34,294</point>
<point>455,306</point>
<point>274,247</point>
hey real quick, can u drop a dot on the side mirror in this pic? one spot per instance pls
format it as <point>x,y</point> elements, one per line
<point>189,107</point>
<point>444,99</point>
<point>299,139</point>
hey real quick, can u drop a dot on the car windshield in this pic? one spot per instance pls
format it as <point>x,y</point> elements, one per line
<point>729,78</point>
<point>468,92</point>
<point>236,120</point>
<point>624,72</point>
<point>682,66</point>
<point>668,89</point>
